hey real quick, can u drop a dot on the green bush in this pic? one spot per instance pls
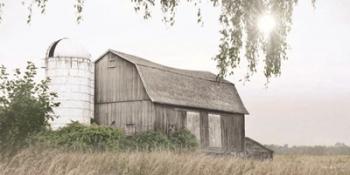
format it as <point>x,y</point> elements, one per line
<point>149,140</point>
<point>183,139</point>
<point>79,137</point>
<point>99,138</point>
<point>26,106</point>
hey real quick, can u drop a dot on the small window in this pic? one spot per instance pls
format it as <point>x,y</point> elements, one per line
<point>130,129</point>
<point>111,62</point>
<point>193,123</point>
<point>214,122</point>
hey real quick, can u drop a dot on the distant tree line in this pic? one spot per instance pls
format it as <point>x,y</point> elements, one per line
<point>337,149</point>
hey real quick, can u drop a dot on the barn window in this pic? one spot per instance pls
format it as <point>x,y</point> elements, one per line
<point>214,123</point>
<point>111,62</point>
<point>130,129</point>
<point>193,123</point>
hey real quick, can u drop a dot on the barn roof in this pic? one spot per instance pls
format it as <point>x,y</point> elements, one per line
<point>197,89</point>
<point>254,146</point>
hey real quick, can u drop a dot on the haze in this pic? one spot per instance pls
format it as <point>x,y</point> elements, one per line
<point>307,105</point>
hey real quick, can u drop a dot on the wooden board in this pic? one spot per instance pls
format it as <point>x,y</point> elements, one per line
<point>130,116</point>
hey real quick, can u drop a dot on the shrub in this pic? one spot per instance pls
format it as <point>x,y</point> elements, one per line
<point>25,107</point>
<point>79,137</point>
<point>149,140</point>
<point>183,139</point>
<point>99,138</point>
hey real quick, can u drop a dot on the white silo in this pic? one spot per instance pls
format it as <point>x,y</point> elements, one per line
<point>71,71</point>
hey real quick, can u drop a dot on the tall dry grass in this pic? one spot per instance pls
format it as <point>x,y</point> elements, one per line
<point>50,162</point>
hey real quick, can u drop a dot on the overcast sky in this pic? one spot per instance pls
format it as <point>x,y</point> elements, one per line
<point>308,104</point>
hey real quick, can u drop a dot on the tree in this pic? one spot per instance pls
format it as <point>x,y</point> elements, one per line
<point>26,106</point>
<point>239,19</point>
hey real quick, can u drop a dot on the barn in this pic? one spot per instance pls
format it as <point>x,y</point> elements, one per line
<point>134,94</point>
<point>137,95</point>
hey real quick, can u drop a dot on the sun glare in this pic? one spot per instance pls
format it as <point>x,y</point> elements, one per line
<point>266,24</point>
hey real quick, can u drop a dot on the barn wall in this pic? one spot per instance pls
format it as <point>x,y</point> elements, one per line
<point>117,80</point>
<point>168,118</point>
<point>204,129</point>
<point>233,132</point>
<point>136,116</point>
<point>232,126</point>
<point>120,97</point>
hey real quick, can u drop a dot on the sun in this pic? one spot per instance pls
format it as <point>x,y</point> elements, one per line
<point>266,24</point>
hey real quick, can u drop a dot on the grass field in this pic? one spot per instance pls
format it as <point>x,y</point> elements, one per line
<point>31,162</point>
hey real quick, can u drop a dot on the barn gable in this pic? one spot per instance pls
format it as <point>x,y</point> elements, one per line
<point>119,80</point>
<point>120,97</point>
<point>195,89</point>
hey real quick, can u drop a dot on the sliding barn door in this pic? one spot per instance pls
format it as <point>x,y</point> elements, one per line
<point>214,123</point>
<point>193,124</point>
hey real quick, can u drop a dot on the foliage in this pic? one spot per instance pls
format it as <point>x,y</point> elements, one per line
<point>183,139</point>
<point>239,31</point>
<point>76,136</point>
<point>154,140</point>
<point>25,106</point>
<point>41,5</point>
<point>239,19</point>
<point>149,140</point>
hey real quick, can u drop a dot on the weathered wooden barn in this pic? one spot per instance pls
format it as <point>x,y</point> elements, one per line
<point>138,95</point>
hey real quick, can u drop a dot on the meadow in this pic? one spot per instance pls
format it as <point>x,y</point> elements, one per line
<point>56,162</point>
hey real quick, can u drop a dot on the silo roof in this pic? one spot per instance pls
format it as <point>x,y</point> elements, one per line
<point>66,47</point>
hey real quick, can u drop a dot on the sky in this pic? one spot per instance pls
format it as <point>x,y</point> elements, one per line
<point>309,104</point>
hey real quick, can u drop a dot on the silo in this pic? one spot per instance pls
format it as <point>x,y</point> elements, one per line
<point>71,71</point>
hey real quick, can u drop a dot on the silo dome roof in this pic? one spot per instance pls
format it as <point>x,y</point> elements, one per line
<point>66,47</point>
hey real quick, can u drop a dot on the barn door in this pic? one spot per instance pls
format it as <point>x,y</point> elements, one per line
<point>193,124</point>
<point>214,123</point>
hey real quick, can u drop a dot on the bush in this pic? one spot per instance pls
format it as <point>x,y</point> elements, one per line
<point>25,107</point>
<point>149,140</point>
<point>183,139</point>
<point>79,137</point>
<point>99,138</point>
<point>153,140</point>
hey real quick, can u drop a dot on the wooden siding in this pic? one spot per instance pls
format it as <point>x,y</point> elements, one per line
<point>232,125</point>
<point>137,114</point>
<point>168,118</point>
<point>120,97</point>
<point>204,129</point>
<point>232,132</point>
<point>239,132</point>
<point>255,150</point>
<point>120,82</point>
